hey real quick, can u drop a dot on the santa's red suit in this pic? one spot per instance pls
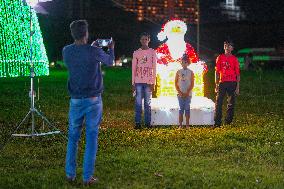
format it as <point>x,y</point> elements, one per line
<point>164,56</point>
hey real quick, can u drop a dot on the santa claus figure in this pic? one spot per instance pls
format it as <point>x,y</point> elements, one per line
<point>169,58</point>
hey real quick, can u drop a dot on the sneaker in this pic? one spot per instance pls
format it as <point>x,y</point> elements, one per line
<point>137,126</point>
<point>228,122</point>
<point>148,126</point>
<point>91,181</point>
<point>216,126</point>
<point>70,179</point>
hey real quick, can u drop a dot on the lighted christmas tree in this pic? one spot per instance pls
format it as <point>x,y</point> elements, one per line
<point>15,55</point>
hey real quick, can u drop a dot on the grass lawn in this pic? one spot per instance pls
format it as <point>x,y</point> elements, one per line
<point>246,154</point>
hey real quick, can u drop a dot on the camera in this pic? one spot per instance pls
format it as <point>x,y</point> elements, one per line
<point>103,42</point>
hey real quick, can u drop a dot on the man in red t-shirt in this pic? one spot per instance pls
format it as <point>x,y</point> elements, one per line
<point>227,78</point>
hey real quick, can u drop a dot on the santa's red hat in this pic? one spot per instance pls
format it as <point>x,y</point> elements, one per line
<point>168,27</point>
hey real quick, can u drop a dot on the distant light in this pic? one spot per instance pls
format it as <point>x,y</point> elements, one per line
<point>124,60</point>
<point>32,3</point>
<point>118,63</point>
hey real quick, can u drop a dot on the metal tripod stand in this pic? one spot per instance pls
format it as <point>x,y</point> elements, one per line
<point>33,111</point>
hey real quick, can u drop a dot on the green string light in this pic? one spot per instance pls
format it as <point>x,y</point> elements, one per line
<point>15,41</point>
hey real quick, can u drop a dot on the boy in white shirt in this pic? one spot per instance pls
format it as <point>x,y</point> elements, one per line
<point>184,83</point>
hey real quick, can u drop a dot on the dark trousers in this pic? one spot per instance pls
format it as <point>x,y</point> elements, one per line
<point>229,89</point>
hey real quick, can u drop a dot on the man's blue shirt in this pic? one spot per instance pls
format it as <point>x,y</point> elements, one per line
<point>84,65</point>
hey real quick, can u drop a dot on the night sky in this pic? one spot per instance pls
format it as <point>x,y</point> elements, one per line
<point>255,10</point>
<point>262,27</point>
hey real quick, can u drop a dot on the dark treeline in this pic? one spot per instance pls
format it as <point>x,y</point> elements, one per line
<point>243,34</point>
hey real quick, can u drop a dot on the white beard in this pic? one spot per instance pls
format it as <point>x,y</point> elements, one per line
<point>177,47</point>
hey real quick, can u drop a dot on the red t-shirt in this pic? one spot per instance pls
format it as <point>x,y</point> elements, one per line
<point>228,67</point>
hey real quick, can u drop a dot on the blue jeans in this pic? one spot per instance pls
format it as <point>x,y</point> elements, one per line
<point>184,105</point>
<point>143,90</point>
<point>89,109</point>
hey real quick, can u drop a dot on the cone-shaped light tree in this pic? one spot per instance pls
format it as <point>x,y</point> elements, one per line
<point>15,53</point>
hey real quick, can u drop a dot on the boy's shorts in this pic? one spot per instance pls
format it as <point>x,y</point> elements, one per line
<point>184,105</point>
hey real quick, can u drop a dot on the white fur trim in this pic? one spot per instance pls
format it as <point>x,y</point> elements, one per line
<point>161,36</point>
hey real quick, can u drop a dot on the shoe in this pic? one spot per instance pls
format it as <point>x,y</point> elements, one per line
<point>216,126</point>
<point>70,179</point>
<point>91,181</point>
<point>137,126</point>
<point>148,126</point>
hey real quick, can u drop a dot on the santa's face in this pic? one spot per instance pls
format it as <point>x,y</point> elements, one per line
<point>144,40</point>
<point>176,29</point>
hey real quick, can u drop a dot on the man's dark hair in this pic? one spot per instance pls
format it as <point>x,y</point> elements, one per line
<point>145,34</point>
<point>228,41</point>
<point>79,29</point>
<point>185,57</point>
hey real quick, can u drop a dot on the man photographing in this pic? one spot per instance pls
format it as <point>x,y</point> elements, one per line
<point>85,86</point>
<point>227,78</point>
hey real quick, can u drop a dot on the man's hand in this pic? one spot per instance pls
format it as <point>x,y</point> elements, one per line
<point>216,88</point>
<point>111,45</point>
<point>181,94</point>
<point>133,88</point>
<point>237,91</point>
<point>95,44</point>
<point>187,94</point>
<point>152,87</point>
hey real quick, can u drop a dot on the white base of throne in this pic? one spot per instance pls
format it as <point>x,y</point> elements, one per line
<point>165,111</point>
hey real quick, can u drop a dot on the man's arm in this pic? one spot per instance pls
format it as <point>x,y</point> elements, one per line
<point>176,85</point>
<point>154,64</point>
<point>134,65</point>
<point>238,77</point>
<point>191,84</point>
<point>238,85</point>
<point>217,81</point>
<point>217,74</point>
<point>134,69</point>
<point>105,58</point>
